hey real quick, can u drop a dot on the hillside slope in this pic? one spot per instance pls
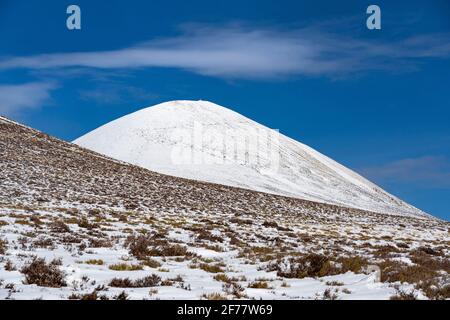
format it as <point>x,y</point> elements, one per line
<point>77,225</point>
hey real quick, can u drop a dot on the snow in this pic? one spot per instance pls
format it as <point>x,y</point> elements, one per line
<point>150,137</point>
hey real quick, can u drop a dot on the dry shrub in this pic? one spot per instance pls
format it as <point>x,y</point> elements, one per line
<point>214,296</point>
<point>305,237</point>
<point>43,242</point>
<point>222,277</point>
<point>121,296</point>
<point>428,250</point>
<point>84,223</point>
<point>403,295</point>
<point>44,274</point>
<point>212,268</point>
<point>125,267</point>
<point>139,246</point>
<point>171,251</point>
<point>354,264</point>
<point>241,221</point>
<point>152,263</point>
<point>9,266</point>
<point>431,262</point>
<point>98,262</point>
<point>59,227</point>
<point>316,265</point>
<point>270,224</point>
<point>36,220</point>
<point>311,265</point>
<point>149,281</point>
<point>328,294</point>
<point>402,245</point>
<point>334,283</point>
<point>88,296</point>
<point>235,241</point>
<point>385,251</point>
<point>205,235</point>
<point>3,246</point>
<point>430,273</point>
<point>143,246</point>
<point>235,289</point>
<point>259,285</point>
<point>100,243</point>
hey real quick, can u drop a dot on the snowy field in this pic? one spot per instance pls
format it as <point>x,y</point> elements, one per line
<point>201,256</point>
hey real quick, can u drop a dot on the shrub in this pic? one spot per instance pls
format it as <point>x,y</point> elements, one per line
<point>84,223</point>
<point>205,235</point>
<point>121,296</point>
<point>125,267</point>
<point>143,246</point>
<point>354,264</point>
<point>403,295</point>
<point>259,285</point>
<point>393,271</point>
<point>100,243</point>
<point>316,265</point>
<point>222,277</point>
<point>434,290</point>
<point>429,251</point>
<point>149,281</point>
<point>9,266</point>
<point>270,224</point>
<point>152,263</point>
<point>98,262</point>
<point>88,296</point>
<point>139,246</point>
<point>59,227</point>
<point>172,251</point>
<point>214,296</point>
<point>3,246</point>
<point>311,265</point>
<point>212,268</point>
<point>235,289</point>
<point>121,283</point>
<point>329,295</point>
<point>44,274</point>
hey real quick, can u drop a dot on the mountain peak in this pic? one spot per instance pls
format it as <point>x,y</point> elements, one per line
<point>146,138</point>
<point>184,106</point>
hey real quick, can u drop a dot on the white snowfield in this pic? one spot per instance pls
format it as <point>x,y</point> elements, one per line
<point>157,137</point>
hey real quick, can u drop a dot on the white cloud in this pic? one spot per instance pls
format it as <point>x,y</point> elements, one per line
<point>113,93</point>
<point>426,171</point>
<point>240,52</point>
<point>15,98</point>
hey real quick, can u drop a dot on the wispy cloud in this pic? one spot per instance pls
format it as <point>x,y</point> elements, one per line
<point>15,98</point>
<point>242,52</point>
<point>117,93</point>
<point>427,171</point>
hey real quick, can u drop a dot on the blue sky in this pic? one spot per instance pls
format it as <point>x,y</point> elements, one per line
<point>377,101</point>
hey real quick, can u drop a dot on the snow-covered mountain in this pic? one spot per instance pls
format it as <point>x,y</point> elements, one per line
<point>204,141</point>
